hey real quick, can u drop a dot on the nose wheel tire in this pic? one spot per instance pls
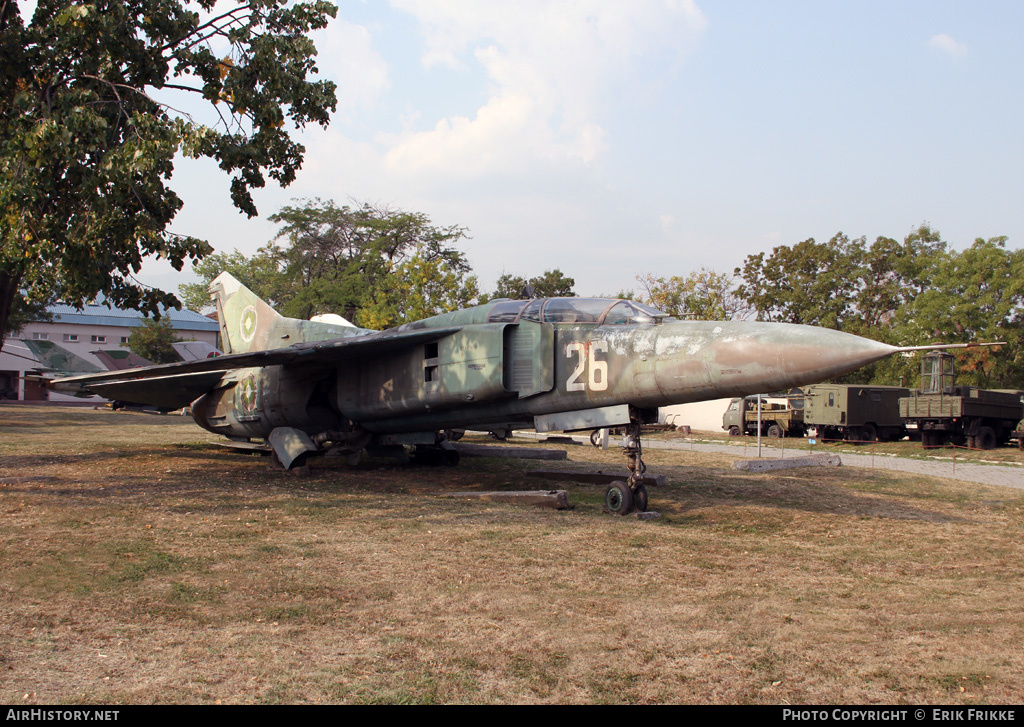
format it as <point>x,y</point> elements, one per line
<point>618,499</point>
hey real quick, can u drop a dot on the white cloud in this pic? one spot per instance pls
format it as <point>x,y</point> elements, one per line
<point>468,147</point>
<point>947,44</point>
<point>551,69</point>
<point>346,55</point>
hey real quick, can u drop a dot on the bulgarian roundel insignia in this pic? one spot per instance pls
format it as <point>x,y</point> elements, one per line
<point>247,392</point>
<point>247,325</point>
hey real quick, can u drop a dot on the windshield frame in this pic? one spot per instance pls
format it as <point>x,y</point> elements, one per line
<point>646,314</point>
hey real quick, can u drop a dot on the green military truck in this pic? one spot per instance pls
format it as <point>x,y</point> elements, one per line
<point>855,412</point>
<point>943,412</point>
<point>777,420</point>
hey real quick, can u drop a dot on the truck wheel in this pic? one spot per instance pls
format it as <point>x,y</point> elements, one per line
<point>776,431</point>
<point>986,438</point>
<point>868,433</point>
<point>734,431</point>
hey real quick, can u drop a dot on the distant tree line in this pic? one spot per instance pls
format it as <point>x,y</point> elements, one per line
<point>380,267</point>
<point>375,265</point>
<point>908,293</point>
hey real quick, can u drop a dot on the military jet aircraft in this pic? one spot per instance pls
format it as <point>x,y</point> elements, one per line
<point>551,364</point>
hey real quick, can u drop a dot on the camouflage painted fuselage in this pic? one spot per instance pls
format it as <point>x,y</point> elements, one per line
<point>555,363</point>
<point>477,373</point>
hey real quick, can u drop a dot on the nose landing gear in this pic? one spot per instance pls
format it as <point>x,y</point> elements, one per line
<point>622,498</point>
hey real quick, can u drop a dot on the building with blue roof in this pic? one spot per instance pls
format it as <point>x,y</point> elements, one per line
<point>82,332</point>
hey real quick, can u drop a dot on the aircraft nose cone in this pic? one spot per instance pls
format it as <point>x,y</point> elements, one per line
<point>736,358</point>
<point>810,355</point>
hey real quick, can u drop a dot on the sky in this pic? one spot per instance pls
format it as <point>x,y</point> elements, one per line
<point>613,139</point>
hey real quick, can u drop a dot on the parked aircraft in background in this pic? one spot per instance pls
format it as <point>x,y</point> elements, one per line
<point>195,350</point>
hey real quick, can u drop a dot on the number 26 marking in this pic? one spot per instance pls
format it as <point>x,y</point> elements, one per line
<point>597,379</point>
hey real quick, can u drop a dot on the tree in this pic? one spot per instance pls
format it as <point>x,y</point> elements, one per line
<point>892,274</point>
<point>260,273</point>
<point>330,259</point>
<point>88,134</point>
<point>813,283</point>
<point>703,295</point>
<point>152,340</point>
<point>417,288</point>
<point>552,284</point>
<point>334,258</point>
<point>910,293</point>
<point>24,311</point>
<point>975,296</point>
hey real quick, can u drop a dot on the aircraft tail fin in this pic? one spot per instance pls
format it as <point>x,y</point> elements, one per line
<point>249,324</point>
<point>245,320</point>
<point>60,359</point>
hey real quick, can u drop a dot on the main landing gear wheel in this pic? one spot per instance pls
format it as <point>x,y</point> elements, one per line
<point>640,498</point>
<point>618,498</point>
<point>622,498</point>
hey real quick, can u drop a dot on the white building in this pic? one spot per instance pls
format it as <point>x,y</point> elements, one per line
<point>81,332</point>
<point>705,416</point>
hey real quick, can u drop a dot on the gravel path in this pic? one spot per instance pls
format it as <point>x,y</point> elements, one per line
<point>1006,475</point>
<point>989,474</point>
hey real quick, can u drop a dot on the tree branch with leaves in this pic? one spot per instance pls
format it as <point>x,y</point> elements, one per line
<point>88,136</point>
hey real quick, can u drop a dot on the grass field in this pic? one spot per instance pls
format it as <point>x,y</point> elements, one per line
<point>143,564</point>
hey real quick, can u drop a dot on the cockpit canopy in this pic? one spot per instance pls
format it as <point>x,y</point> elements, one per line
<point>600,311</point>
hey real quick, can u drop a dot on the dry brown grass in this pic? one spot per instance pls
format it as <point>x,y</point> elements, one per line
<point>143,564</point>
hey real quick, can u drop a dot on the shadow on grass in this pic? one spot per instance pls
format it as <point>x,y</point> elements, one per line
<point>204,469</point>
<point>804,494</point>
